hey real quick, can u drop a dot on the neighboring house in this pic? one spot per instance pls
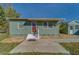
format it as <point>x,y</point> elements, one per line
<point>73,27</point>
<point>46,26</point>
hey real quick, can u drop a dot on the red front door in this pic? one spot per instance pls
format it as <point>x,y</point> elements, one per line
<point>34,29</point>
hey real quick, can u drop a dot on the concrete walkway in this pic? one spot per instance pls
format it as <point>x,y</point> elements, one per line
<point>41,45</point>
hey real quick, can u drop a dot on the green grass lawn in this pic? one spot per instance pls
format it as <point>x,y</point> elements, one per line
<point>73,48</point>
<point>3,36</point>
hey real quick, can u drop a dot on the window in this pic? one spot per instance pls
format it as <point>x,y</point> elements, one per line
<point>71,27</point>
<point>20,25</point>
<point>45,24</point>
<point>50,24</point>
<point>39,23</point>
<point>27,23</point>
<point>76,26</point>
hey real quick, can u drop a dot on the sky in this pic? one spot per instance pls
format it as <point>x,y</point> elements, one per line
<point>48,10</point>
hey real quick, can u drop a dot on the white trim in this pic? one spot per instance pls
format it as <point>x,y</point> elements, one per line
<point>71,31</point>
<point>38,34</point>
<point>31,27</point>
<point>18,26</point>
<point>47,24</point>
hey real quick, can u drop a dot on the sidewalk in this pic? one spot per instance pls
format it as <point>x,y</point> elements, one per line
<point>42,46</point>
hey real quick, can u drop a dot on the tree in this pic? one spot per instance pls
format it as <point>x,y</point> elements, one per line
<point>8,12</point>
<point>2,18</point>
<point>11,13</point>
<point>64,28</point>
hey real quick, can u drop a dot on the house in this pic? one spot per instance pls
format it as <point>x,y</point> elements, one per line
<point>73,27</point>
<point>45,26</point>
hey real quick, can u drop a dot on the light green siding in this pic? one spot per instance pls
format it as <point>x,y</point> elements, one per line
<point>26,29</point>
<point>48,31</point>
<point>13,28</point>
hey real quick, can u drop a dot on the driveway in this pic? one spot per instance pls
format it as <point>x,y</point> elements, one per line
<point>41,45</point>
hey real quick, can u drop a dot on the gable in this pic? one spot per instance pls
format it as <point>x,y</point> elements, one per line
<point>74,22</point>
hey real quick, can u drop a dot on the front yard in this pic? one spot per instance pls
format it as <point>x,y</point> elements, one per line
<point>73,48</point>
<point>3,36</point>
<point>6,45</point>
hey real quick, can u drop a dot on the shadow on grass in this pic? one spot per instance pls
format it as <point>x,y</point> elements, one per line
<point>38,53</point>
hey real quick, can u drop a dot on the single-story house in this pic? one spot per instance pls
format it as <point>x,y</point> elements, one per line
<point>46,26</point>
<point>73,27</point>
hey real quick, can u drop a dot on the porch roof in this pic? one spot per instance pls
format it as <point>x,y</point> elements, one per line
<point>36,19</point>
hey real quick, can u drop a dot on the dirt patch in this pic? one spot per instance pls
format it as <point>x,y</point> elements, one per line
<point>48,38</point>
<point>61,36</point>
<point>68,36</point>
<point>12,40</point>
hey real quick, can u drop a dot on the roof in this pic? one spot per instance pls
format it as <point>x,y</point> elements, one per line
<point>36,19</point>
<point>74,22</point>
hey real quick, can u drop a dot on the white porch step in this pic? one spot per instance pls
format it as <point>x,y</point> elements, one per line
<point>31,37</point>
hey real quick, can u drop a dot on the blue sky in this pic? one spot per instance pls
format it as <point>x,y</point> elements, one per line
<point>48,10</point>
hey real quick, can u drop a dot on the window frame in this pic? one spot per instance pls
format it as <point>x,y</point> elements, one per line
<point>76,26</point>
<point>53,25</point>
